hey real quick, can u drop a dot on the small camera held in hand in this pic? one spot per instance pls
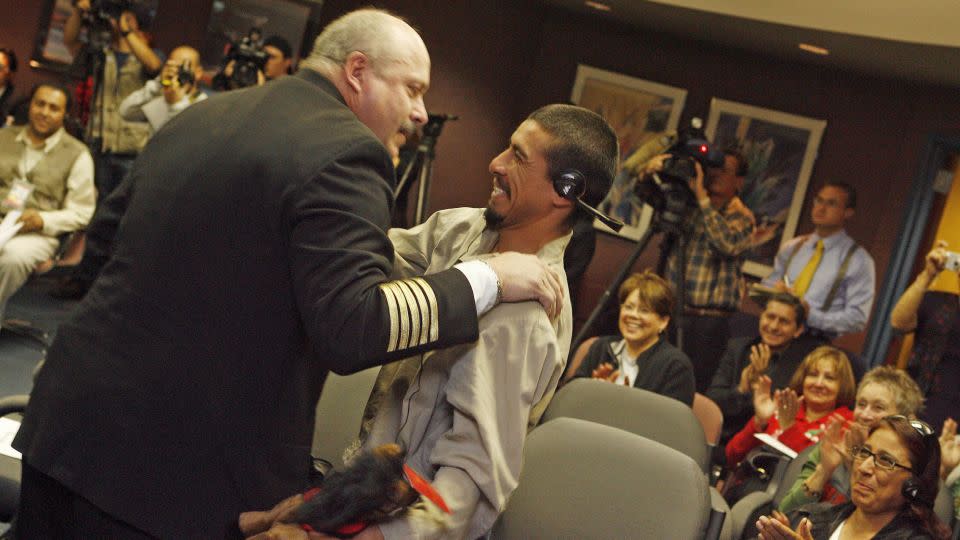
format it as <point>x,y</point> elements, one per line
<point>952,262</point>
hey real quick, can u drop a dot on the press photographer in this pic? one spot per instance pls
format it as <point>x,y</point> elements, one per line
<point>172,91</point>
<point>710,241</point>
<point>108,34</point>
<point>243,64</point>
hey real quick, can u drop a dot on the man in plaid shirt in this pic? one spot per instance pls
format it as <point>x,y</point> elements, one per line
<point>716,237</point>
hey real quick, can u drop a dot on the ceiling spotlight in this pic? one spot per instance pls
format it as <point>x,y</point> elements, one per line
<point>814,49</point>
<point>599,6</point>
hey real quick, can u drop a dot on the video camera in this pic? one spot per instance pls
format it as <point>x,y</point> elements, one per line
<point>248,58</point>
<point>185,76</point>
<point>109,9</point>
<point>668,191</point>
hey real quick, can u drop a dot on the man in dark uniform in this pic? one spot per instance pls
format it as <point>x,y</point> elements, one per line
<point>252,258</point>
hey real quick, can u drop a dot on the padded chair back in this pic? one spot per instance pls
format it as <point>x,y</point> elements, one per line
<point>584,480</point>
<point>748,509</point>
<point>339,413</point>
<point>710,416</point>
<point>637,411</point>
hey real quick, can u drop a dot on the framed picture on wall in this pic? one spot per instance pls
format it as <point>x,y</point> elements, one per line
<point>233,20</point>
<point>50,51</point>
<point>640,112</point>
<point>780,149</point>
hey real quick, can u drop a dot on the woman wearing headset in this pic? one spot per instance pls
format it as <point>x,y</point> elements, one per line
<point>893,485</point>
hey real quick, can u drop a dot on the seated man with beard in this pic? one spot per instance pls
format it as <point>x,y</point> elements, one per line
<point>462,413</point>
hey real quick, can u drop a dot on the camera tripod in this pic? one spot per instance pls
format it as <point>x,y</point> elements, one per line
<point>672,222</point>
<point>422,161</point>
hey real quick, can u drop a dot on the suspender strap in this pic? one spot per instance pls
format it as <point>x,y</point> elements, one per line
<point>793,253</point>
<point>841,273</point>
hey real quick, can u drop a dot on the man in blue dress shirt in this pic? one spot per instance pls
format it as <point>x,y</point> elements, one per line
<point>833,276</point>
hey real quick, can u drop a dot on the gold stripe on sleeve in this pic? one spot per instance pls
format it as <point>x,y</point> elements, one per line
<point>421,337</point>
<point>393,309</point>
<point>404,316</point>
<point>434,320</point>
<point>410,334</point>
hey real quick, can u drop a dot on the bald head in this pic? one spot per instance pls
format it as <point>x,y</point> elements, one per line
<point>383,37</point>
<point>380,66</point>
<point>185,53</point>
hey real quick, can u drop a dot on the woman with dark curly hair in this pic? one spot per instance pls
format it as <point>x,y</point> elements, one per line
<point>894,483</point>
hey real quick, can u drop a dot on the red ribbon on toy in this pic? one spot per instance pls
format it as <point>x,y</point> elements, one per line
<point>424,488</point>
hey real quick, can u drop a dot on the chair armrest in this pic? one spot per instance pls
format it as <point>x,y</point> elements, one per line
<point>13,404</point>
<point>745,507</point>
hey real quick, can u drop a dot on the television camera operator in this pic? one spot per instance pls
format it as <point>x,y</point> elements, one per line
<point>122,63</point>
<point>279,57</point>
<point>715,234</point>
<point>244,63</point>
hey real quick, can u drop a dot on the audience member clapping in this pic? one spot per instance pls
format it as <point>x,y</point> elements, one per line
<point>776,352</point>
<point>950,461</point>
<point>822,388</point>
<point>825,476</point>
<point>640,356</point>
<point>894,483</point>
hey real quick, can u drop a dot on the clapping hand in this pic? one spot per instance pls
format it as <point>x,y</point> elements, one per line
<point>949,448</point>
<point>777,527</point>
<point>759,360</point>
<point>833,444</point>
<point>607,372</point>
<point>787,406</point>
<point>764,405</point>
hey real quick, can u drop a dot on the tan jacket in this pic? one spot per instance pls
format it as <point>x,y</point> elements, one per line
<point>464,419</point>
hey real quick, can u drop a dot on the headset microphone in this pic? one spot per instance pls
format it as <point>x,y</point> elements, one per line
<point>572,185</point>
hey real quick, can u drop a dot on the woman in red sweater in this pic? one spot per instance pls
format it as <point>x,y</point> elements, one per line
<point>823,386</point>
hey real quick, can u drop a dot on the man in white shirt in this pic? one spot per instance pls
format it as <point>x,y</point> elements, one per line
<point>173,91</point>
<point>58,171</point>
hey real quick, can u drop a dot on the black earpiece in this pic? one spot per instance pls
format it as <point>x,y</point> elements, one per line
<point>571,185</point>
<point>911,490</point>
<point>911,487</point>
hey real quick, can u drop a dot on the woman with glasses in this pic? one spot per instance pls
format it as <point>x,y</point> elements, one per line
<point>893,485</point>
<point>640,356</point>
<point>821,388</point>
<point>825,476</point>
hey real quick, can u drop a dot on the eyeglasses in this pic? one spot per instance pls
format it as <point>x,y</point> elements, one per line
<point>883,461</point>
<point>829,203</point>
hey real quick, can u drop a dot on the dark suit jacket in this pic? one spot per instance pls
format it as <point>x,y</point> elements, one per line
<point>182,390</point>
<point>6,104</point>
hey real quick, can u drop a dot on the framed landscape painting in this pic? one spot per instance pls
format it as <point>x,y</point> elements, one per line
<point>640,112</point>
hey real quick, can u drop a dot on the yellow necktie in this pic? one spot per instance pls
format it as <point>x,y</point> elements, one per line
<point>806,275</point>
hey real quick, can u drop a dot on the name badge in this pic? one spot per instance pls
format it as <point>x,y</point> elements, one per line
<point>16,199</point>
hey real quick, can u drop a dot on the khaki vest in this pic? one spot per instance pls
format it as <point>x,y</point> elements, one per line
<point>49,176</point>
<point>119,136</point>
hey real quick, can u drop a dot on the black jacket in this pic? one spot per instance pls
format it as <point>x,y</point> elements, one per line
<point>825,517</point>
<point>663,368</point>
<point>182,390</point>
